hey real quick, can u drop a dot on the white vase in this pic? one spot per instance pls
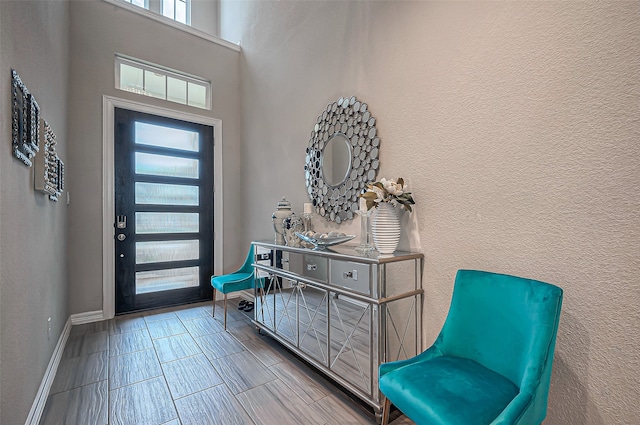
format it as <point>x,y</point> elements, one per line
<point>386,228</point>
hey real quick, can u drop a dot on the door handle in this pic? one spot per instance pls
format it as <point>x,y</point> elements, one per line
<point>121,222</point>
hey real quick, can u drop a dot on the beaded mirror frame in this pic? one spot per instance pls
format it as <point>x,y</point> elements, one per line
<point>345,119</point>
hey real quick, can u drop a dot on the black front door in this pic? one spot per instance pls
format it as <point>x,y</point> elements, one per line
<point>164,211</point>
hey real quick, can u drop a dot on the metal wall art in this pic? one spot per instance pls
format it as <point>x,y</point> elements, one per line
<point>25,118</point>
<point>341,158</point>
<point>50,178</point>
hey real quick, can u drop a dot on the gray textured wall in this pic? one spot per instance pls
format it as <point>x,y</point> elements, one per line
<point>33,230</point>
<point>516,124</point>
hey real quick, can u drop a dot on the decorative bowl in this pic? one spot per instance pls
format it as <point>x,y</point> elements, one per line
<point>322,243</point>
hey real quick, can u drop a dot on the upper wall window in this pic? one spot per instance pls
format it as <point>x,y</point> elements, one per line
<point>178,10</point>
<point>140,3</point>
<point>155,81</point>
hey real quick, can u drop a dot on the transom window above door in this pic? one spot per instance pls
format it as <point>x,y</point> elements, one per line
<point>152,80</point>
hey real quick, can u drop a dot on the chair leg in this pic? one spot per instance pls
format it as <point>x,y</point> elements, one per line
<point>225,312</point>
<point>385,411</point>
<point>213,312</point>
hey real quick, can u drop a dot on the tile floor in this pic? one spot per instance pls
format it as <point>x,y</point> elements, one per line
<point>179,367</point>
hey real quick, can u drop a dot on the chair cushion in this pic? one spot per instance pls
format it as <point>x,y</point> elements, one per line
<point>232,282</point>
<point>448,390</point>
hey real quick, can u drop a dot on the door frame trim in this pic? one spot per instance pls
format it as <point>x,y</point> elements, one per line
<point>109,103</point>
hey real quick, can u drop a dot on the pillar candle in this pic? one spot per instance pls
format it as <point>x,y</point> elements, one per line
<point>363,205</point>
<point>308,208</point>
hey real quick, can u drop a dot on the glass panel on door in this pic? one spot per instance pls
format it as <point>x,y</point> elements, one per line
<point>164,280</point>
<point>165,137</point>
<point>161,222</point>
<point>166,194</point>
<point>164,165</point>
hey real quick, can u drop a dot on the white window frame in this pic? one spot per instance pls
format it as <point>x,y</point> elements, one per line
<point>167,72</point>
<point>188,11</point>
<point>146,3</point>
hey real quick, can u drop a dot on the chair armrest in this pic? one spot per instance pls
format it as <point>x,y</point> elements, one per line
<point>514,411</point>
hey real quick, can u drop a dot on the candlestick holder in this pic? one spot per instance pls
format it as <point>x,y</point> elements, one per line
<point>365,246</point>
<point>306,219</point>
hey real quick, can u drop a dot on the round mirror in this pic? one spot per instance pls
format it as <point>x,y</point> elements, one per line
<point>336,160</point>
<point>342,157</point>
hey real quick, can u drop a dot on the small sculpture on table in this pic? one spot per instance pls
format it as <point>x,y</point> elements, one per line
<point>293,224</point>
<point>283,211</point>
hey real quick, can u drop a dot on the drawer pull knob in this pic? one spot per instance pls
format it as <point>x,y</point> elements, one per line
<point>347,275</point>
<point>311,267</point>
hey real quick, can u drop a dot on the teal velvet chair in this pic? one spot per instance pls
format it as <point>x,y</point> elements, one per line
<point>491,363</point>
<point>240,280</point>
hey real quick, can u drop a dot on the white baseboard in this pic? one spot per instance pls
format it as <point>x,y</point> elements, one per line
<point>49,374</point>
<point>87,317</point>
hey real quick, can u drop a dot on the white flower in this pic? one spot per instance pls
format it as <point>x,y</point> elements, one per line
<point>392,191</point>
<point>392,187</point>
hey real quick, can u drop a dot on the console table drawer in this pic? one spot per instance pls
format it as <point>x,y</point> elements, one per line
<point>354,276</point>
<point>308,265</point>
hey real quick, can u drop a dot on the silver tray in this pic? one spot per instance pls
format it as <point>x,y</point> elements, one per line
<point>321,243</point>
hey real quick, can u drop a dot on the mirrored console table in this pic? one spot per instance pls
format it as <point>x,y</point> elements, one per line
<point>343,312</point>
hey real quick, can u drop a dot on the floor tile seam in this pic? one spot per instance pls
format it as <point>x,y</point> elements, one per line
<point>203,335</point>
<point>231,354</point>
<point>167,336</point>
<point>151,322</point>
<point>150,378</point>
<point>268,382</point>
<point>268,366</point>
<point>211,361</point>
<point>275,378</point>
<point>294,390</point>
<point>128,331</point>
<point>222,375</point>
<point>197,392</point>
<point>196,340</point>
<point>173,401</point>
<point>106,368</point>
<point>78,387</point>
<point>252,388</point>
<point>85,335</point>
<point>161,362</point>
<point>182,358</point>
<point>82,354</point>
<point>208,332</point>
<point>183,321</point>
<point>130,352</point>
<point>171,336</point>
<point>109,419</point>
<point>238,401</point>
<point>151,319</point>
<point>186,319</point>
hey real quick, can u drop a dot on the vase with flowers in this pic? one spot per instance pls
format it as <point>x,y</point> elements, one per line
<point>385,195</point>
